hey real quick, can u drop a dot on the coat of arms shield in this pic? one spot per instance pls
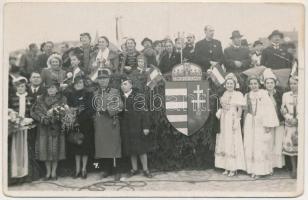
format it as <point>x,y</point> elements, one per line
<point>187,98</point>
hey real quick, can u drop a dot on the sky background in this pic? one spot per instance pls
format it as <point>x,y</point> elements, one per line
<point>38,22</point>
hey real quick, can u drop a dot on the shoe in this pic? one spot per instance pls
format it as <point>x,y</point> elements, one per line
<point>76,175</point>
<point>132,173</point>
<point>105,175</point>
<point>54,178</point>
<point>225,172</point>
<point>46,178</point>
<point>117,177</point>
<point>257,177</point>
<point>84,174</point>
<point>232,173</point>
<point>147,174</point>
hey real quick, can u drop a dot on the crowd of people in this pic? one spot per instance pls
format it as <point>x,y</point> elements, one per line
<point>99,85</point>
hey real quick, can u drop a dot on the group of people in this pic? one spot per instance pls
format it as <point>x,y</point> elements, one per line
<point>102,85</point>
<point>270,121</point>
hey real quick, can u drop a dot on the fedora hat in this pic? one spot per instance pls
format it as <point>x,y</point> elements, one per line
<point>275,32</point>
<point>236,34</point>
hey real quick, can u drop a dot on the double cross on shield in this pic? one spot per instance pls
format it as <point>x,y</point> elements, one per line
<point>187,99</point>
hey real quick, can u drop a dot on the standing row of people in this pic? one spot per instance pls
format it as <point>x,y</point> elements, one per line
<point>269,130</point>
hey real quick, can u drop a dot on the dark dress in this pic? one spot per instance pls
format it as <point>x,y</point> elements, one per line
<point>83,100</point>
<point>132,122</point>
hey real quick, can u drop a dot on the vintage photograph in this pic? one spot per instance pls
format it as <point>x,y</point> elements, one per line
<point>153,99</point>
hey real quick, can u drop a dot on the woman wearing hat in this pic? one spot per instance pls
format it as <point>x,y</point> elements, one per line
<point>107,104</point>
<point>104,57</point>
<point>289,110</point>
<point>80,99</point>
<point>22,167</point>
<point>275,93</point>
<point>50,140</point>
<point>129,58</point>
<point>54,71</point>
<point>229,152</point>
<point>260,119</point>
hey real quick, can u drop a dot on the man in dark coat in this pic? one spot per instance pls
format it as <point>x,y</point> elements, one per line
<point>28,60</point>
<point>189,49</point>
<point>42,58</point>
<point>274,56</point>
<point>237,58</point>
<point>208,51</point>
<point>87,50</point>
<point>35,87</point>
<point>134,127</point>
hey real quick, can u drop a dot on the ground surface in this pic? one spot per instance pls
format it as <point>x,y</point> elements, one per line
<point>206,180</point>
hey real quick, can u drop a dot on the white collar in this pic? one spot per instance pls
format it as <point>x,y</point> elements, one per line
<point>128,93</point>
<point>22,95</point>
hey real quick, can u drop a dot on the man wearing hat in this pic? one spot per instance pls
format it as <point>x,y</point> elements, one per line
<point>275,56</point>
<point>107,104</point>
<point>237,58</point>
<point>148,51</point>
<point>208,51</point>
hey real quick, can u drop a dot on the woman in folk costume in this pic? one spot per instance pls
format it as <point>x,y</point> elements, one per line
<point>275,93</point>
<point>50,140</point>
<point>229,152</point>
<point>260,119</point>
<point>19,161</point>
<point>135,124</point>
<point>107,104</point>
<point>289,110</point>
<point>103,57</point>
<point>54,71</point>
<point>81,100</point>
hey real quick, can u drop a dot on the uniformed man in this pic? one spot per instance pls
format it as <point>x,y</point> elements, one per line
<point>275,56</point>
<point>237,58</point>
<point>208,51</point>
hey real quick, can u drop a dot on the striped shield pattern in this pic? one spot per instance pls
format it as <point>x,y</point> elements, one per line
<point>187,105</point>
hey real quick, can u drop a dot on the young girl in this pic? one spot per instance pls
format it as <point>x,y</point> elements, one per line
<point>290,113</point>
<point>229,153</point>
<point>275,93</point>
<point>260,119</point>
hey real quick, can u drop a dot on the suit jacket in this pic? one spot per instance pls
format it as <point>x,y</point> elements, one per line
<point>41,62</point>
<point>206,51</point>
<point>39,92</point>
<point>240,54</point>
<point>276,58</point>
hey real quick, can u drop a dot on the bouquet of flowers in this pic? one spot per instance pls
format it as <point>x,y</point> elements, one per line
<point>17,122</point>
<point>63,114</point>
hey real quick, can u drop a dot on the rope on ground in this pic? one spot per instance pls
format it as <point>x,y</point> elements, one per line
<point>132,185</point>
